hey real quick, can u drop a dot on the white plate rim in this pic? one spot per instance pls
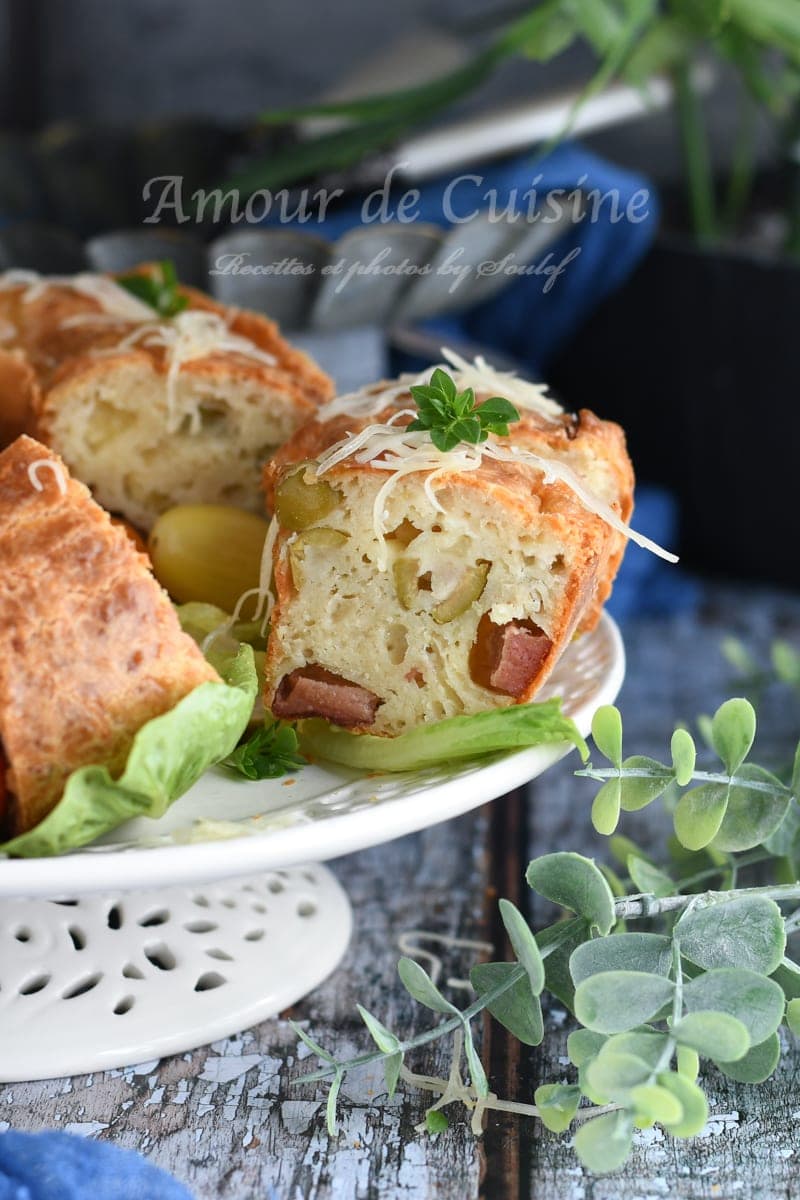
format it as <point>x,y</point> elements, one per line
<point>132,868</point>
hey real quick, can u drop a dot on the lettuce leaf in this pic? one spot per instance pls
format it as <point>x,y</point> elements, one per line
<point>168,755</point>
<point>512,728</point>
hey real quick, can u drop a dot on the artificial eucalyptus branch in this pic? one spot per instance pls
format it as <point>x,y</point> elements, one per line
<point>704,975</point>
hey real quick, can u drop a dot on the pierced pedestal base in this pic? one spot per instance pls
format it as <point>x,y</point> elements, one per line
<point>114,980</point>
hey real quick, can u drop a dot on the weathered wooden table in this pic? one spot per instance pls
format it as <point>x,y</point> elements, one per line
<point>227,1120</point>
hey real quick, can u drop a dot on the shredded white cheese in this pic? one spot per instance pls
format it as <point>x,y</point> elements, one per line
<point>116,303</point>
<point>478,375</point>
<point>404,452</point>
<point>184,338</point>
<point>55,468</point>
<point>265,599</point>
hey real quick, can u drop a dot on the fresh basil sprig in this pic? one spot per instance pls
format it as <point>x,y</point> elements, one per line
<point>269,753</point>
<point>158,288</point>
<point>451,416</point>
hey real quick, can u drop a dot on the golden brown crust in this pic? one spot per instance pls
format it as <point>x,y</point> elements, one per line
<point>90,646</point>
<point>583,442</point>
<point>19,395</point>
<point>52,335</point>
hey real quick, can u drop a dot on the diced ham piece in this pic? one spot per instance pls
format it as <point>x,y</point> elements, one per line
<point>314,692</point>
<point>507,658</point>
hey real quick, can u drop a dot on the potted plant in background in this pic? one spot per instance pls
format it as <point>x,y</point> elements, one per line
<point>695,353</point>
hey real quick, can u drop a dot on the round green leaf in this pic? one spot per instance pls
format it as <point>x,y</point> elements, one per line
<point>699,813</point>
<point>656,1103</point>
<point>613,1076</point>
<point>715,1035</point>
<point>733,728</point>
<point>793,1016</point>
<point>421,987</point>
<point>757,1065</point>
<point>650,952</point>
<point>692,1100</point>
<point>436,1121</point>
<point>583,1045</point>
<point>753,999</point>
<point>614,1001</point>
<point>638,792</point>
<point>648,1044</point>
<point>606,807</point>
<point>688,1063</point>
<point>607,733</point>
<point>517,1009</point>
<point>787,976</point>
<point>604,1143</point>
<point>576,883</point>
<point>747,931</point>
<point>684,756</point>
<point>524,944</point>
<point>557,1104</point>
<point>648,879</point>
<point>752,816</point>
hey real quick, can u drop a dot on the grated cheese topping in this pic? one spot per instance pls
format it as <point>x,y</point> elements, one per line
<point>184,338</point>
<point>263,592</point>
<point>479,375</point>
<point>116,303</point>
<point>402,452</point>
<point>188,336</point>
<point>56,469</point>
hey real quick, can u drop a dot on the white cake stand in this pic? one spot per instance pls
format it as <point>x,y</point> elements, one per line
<point>171,934</point>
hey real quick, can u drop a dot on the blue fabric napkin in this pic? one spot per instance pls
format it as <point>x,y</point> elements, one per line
<point>62,1166</point>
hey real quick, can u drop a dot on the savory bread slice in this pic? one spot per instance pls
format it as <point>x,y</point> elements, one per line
<point>90,646</point>
<point>413,585</point>
<point>153,411</point>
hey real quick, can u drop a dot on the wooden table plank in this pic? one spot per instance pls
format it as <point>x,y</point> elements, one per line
<point>750,1149</point>
<point>227,1120</point>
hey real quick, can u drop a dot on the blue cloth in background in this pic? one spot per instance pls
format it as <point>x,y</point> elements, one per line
<point>63,1166</point>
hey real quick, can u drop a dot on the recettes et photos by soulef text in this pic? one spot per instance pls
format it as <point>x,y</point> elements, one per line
<point>193,523</point>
